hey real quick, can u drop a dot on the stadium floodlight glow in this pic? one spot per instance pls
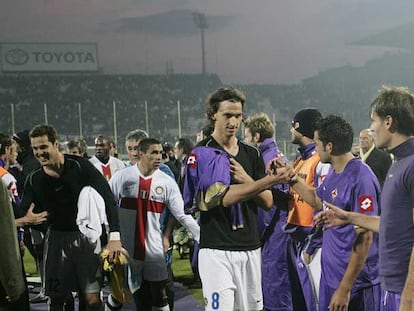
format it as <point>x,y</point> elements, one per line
<point>201,22</point>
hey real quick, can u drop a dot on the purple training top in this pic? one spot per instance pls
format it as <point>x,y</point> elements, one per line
<point>396,225</point>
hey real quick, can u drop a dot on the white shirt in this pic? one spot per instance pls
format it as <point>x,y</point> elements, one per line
<point>142,199</point>
<point>108,169</point>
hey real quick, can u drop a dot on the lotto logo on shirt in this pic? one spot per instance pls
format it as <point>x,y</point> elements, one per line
<point>366,204</point>
<point>192,160</point>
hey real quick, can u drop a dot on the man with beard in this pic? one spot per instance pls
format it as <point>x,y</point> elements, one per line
<point>349,260</point>
<point>392,115</point>
<point>304,239</point>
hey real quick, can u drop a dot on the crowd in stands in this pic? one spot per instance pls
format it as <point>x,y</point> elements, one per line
<point>59,98</point>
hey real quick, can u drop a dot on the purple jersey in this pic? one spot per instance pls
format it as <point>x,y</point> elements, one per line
<point>355,189</point>
<point>269,151</point>
<point>276,286</point>
<point>208,180</point>
<point>208,177</point>
<point>390,301</point>
<point>396,224</point>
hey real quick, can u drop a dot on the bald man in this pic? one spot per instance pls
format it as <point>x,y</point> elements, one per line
<point>378,160</point>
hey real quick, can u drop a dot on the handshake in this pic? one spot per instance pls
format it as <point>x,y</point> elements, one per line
<point>282,171</point>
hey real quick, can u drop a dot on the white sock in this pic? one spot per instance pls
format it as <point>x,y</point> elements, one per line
<point>165,308</point>
<point>113,302</point>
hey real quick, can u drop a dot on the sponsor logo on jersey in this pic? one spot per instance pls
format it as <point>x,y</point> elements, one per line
<point>366,204</point>
<point>192,160</point>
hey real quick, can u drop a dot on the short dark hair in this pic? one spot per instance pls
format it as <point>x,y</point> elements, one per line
<point>397,102</point>
<point>334,129</point>
<point>185,144</point>
<point>224,93</point>
<point>73,144</point>
<point>42,130</point>
<point>167,147</point>
<point>207,130</point>
<point>5,141</point>
<point>105,139</point>
<point>83,147</point>
<point>146,143</point>
<point>23,139</point>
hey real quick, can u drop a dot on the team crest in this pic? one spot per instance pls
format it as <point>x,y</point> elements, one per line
<point>159,190</point>
<point>192,160</point>
<point>366,204</point>
<point>334,194</point>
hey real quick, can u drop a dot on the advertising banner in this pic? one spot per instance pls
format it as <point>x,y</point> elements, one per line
<point>49,57</point>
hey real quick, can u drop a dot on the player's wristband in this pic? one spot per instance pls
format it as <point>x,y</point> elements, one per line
<point>114,236</point>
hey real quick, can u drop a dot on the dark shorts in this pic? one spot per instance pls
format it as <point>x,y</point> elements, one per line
<point>71,264</point>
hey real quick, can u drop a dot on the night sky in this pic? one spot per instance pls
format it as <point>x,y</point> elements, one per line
<point>269,41</point>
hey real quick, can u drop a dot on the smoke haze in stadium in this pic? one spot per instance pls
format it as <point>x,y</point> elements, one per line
<point>265,41</point>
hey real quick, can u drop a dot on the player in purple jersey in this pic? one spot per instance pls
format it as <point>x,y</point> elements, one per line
<point>349,279</point>
<point>392,115</point>
<point>259,132</point>
<point>304,239</point>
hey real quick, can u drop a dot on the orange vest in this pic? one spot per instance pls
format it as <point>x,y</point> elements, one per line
<point>3,171</point>
<point>300,212</point>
